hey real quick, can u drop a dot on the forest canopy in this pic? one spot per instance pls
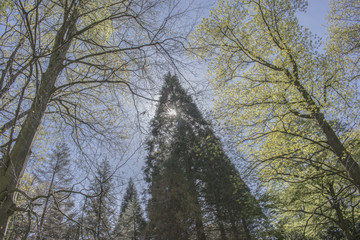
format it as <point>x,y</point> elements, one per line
<point>266,146</point>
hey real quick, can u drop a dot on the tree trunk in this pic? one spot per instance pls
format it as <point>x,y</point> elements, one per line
<point>345,158</point>
<point>220,223</point>
<point>351,166</point>
<point>15,162</point>
<point>222,230</point>
<point>342,222</point>
<point>199,225</point>
<point>46,203</point>
<point>200,233</point>
<point>234,228</point>
<point>246,229</point>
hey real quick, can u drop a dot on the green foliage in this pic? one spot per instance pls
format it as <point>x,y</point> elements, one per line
<point>289,107</point>
<point>344,29</point>
<point>170,167</point>
<point>130,194</point>
<point>171,206</point>
<point>187,168</point>
<point>131,223</point>
<point>254,74</point>
<point>65,68</point>
<point>4,5</point>
<point>225,193</point>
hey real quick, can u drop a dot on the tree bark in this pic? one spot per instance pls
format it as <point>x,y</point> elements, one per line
<point>15,162</point>
<point>199,225</point>
<point>222,229</point>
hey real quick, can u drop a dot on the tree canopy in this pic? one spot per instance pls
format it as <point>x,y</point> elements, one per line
<point>273,86</point>
<point>74,71</point>
<point>291,108</point>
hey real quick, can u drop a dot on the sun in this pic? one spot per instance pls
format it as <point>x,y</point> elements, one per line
<point>172,112</point>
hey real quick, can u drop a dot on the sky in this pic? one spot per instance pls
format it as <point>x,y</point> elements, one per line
<point>315,17</point>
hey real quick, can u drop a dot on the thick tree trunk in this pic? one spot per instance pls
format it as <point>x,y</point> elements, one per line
<point>199,225</point>
<point>220,223</point>
<point>200,228</point>
<point>342,222</point>
<point>345,158</point>
<point>235,234</point>
<point>14,163</point>
<point>222,230</point>
<point>351,166</point>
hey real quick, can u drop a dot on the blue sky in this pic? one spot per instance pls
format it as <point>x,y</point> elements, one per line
<point>315,17</point>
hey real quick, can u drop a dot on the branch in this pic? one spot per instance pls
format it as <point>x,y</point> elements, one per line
<point>10,123</point>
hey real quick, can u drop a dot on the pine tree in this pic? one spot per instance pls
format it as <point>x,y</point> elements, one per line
<point>172,204</point>
<point>227,196</point>
<point>196,192</point>
<point>131,223</point>
<point>53,208</point>
<point>52,222</point>
<point>99,209</point>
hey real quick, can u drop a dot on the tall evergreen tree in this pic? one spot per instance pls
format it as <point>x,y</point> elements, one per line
<point>131,223</point>
<point>53,208</point>
<point>196,192</point>
<point>99,209</point>
<point>52,222</point>
<point>173,205</point>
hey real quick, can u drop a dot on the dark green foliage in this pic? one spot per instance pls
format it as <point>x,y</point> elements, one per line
<point>225,193</point>
<point>129,195</point>
<point>196,192</point>
<point>131,223</point>
<point>170,206</point>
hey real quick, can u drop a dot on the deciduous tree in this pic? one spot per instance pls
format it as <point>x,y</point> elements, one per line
<point>69,61</point>
<point>292,109</point>
<point>273,86</point>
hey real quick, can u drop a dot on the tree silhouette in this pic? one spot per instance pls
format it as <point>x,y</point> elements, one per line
<point>195,189</point>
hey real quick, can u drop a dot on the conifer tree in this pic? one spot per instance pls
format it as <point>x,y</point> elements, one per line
<point>173,205</point>
<point>53,208</point>
<point>131,223</point>
<point>52,223</point>
<point>99,209</point>
<point>196,192</point>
